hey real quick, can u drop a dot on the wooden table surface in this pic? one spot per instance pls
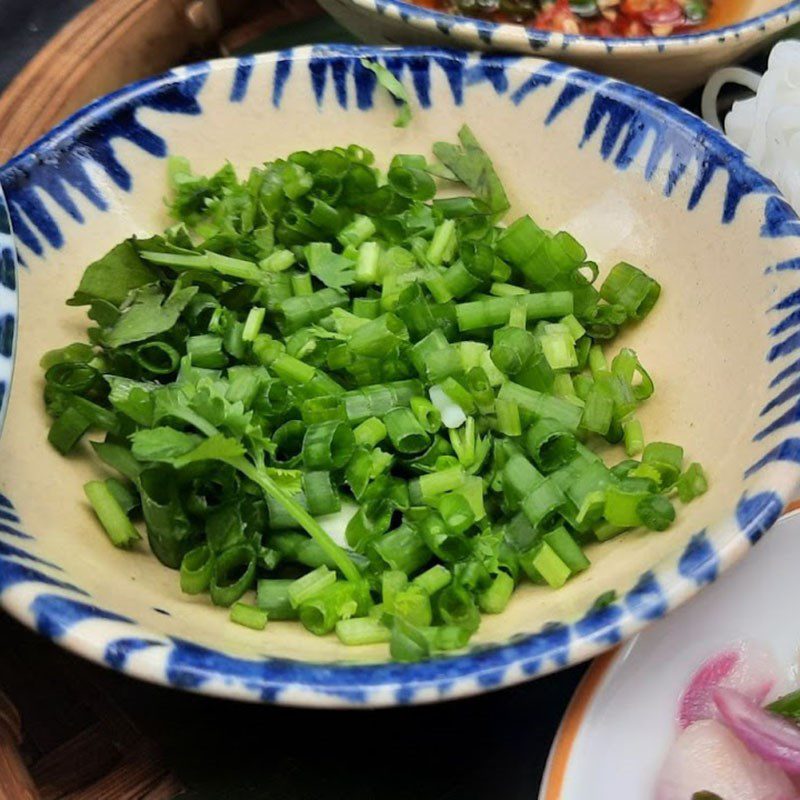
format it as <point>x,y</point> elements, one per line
<point>81,722</point>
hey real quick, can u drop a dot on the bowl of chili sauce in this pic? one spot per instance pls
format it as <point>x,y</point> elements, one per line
<point>668,46</point>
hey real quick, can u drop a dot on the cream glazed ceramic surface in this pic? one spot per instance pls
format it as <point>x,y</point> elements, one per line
<point>630,175</point>
<point>670,66</point>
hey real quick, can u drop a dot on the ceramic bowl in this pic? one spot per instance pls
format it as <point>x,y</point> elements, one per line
<point>670,66</point>
<point>632,176</point>
<point>600,751</point>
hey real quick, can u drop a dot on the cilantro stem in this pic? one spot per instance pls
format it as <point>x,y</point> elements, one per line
<point>300,515</point>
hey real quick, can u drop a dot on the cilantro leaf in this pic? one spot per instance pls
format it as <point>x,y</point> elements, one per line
<point>331,268</point>
<point>132,398</point>
<point>215,448</point>
<point>474,169</point>
<point>211,403</point>
<point>396,89</point>
<point>290,480</point>
<point>177,448</point>
<point>113,276</point>
<point>193,193</point>
<point>162,444</point>
<point>172,403</point>
<point>148,314</point>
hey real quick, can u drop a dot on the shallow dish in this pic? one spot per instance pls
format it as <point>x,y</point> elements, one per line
<point>600,744</point>
<point>631,175</point>
<point>668,65</point>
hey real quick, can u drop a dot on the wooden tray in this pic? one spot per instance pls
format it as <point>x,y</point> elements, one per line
<point>114,42</point>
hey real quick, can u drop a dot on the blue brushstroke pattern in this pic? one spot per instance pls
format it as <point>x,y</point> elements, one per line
<point>787,450</point>
<point>241,78</point>
<point>786,372</point>
<point>646,600</point>
<point>119,651</point>
<point>283,69</point>
<point>789,392</point>
<point>7,549</point>
<point>537,80</point>
<point>13,573</point>
<point>73,150</point>
<point>757,513</point>
<point>699,562</point>
<point>601,625</point>
<point>8,271</point>
<point>779,219</point>
<point>787,418</point>
<point>55,615</point>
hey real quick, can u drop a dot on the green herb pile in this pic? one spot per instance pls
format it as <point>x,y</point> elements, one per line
<point>324,331</point>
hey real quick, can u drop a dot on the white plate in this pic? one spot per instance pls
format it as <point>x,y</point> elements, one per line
<point>621,722</point>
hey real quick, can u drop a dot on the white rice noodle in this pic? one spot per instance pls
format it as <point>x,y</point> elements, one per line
<point>766,126</point>
<point>745,77</point>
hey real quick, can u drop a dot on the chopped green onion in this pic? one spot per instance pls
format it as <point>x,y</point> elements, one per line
<point>196,568</point>
<point>598,412</point>
<point>273,596</point>
<point>309,585</point>
<point>68,429</point>
<point>328,445</point>
<point>361,631</point>
<point>232,574</point>
<point>413,605</point>
<point>407,643</point>
<point>542,503</point>
<point>542,405</point>
<point>249,616</point>
<point>403,549</point>
<point>115,522</point>
<point>692,483</point>
<point>278,261</point>
<point>666,458</point>
<point>458,394</point>
<point>656,512</point>
<point>492,312</point>
<point>392,583</point>
<point>634,436</point>
<point>456,511</point>
<point>511,349</point>
<point>442,242</point>
<point>323,331</point>
<point>542,565</point>
<point>378,400</point>
<point>433,579</point>
<point>508,420</point>
<point>622,503</point>
<point>320,612</point>
<point>457,607</point>
<point>437,483</point>
<point>495,598</point>
<point>549,444</point>
<point>629,287</point>
<point>427,414</point>
<point>405,432</point>
<point>480,388</point>
<point>567,549</point>
<point>370,432</point>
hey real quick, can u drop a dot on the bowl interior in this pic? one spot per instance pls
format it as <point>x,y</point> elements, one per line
<point>606,163</point>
